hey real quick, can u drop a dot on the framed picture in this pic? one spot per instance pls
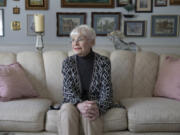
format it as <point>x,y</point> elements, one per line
<point>134,28</point>
<point>144,6</point>
<point>121,3</point>
<point>88,3</point>
<point>105,22</point>
<point>16,10</point>
<point>67,21</point>
<point>164,25</point>
<point>160,3</point>
<point>36,4</point>
<point>174,2</point>
<point>30,25</point>
<point>15,25</point>
<point>1,22</point>
<point>2,3</point>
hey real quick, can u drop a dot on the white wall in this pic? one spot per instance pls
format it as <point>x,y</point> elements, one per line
<point>18,40</point>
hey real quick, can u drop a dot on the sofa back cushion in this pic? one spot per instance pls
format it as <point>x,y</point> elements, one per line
<point>133,74</point>
<point>122,68</point>
<point>145,73</point>
<point>33,65</point>
<point>54,79</point>
<point>7,58</point>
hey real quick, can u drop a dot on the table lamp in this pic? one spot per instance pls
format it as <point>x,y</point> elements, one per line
<point>39,29</point>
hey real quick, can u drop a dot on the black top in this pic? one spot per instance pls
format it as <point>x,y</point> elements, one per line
<point>85,69</point>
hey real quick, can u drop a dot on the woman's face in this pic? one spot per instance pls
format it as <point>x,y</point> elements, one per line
<point>81,45</point>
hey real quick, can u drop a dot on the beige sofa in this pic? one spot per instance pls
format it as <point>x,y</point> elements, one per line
<point>133,77</point>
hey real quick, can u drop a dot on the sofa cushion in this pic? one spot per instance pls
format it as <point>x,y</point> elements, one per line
<point>168,82</point>
<point>114,120</point>
<point>23,115</point>
<point>13,88</point>
<point>51,121</point>
<point>152,114</point>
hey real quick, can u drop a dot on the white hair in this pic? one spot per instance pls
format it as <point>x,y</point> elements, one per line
<point>84,30</point>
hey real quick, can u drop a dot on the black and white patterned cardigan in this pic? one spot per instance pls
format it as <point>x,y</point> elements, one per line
<point>100,88</point>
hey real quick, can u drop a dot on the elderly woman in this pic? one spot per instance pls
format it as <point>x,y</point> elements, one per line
<point>87,86</point>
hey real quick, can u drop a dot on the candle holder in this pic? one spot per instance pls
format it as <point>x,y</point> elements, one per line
<point>39,41</point>
<point>39,29</point>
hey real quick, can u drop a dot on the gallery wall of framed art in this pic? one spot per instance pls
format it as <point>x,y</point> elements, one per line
<point>140,27</point>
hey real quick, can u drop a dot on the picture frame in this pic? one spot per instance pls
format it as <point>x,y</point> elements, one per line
<point>143,6</point>
<point>160,3</point>
<point>87,3</point>
<point>1,22</point>
<point>67,21</point>
<point>105,22</point>
<point>16,10</point>
<point>135,28</point>
<point>15,25</point>
<point>174,2</point>
<point>2,3</point>
<point>121,3</point>
<point>164,25</point>
<point>30,25</point>
<point>36,4</point>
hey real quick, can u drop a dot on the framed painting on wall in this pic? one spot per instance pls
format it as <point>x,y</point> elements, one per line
<point>36,4</point>
<point>2,3</point>
<point>105,22</point>
<point>16,10</point>
<point>121,3</point>
<point>174,2</point>
<point>30,25</point>
<point>88,3</point>
<point>160,3</point>
<point>134,28</point>
<point>67,21</point>
<point>1,22</point>
<point>144,6</point>
<point>164,25</point>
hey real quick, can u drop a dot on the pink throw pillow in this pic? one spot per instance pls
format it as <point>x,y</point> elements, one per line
<point>14,84</point>
<point>168,82</point>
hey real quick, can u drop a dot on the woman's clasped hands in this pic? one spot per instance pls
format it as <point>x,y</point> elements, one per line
<point>89,109</point>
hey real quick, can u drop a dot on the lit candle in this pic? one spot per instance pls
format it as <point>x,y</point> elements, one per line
<point>39,22</point>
